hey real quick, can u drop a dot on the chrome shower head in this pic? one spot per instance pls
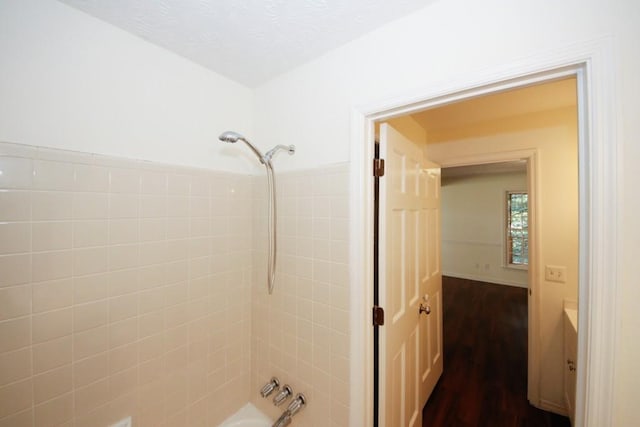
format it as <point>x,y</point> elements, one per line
<point>230,136</point>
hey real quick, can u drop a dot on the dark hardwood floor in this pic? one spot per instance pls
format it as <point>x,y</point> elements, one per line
<point>485,360</point>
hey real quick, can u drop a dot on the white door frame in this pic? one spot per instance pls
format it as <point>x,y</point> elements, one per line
<point>600,178</point>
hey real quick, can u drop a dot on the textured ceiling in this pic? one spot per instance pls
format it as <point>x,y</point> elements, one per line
<point>249,41</point>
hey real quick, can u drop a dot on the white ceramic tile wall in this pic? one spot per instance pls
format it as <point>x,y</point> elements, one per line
<point>124,290</point>
<point>300,333</point>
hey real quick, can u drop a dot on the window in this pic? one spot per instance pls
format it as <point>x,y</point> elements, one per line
<point>517,235</point>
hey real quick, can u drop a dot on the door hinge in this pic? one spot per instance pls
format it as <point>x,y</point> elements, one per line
<point>378,316</point>
<point>378,167</point>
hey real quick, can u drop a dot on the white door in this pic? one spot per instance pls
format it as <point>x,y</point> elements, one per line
<point>410,277</point>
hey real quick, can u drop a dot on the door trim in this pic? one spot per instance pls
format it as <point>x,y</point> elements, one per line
<point>600,178</point>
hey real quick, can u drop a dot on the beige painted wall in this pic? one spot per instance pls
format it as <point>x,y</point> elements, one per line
<point>473,219</point>
<point>554,136</point>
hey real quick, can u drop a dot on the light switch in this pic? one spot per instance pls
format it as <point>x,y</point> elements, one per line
<point>554,273</point>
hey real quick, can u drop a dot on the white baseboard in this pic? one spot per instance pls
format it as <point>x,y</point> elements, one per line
<point>481,278</point>
<point>553,407</point>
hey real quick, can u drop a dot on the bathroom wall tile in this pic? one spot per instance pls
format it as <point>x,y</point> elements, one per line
<point>90,288</point>
<point>15,366</point>
<point>153,253</point>
<point>16,172</point>
<point>340,207</point>
<point>123,358</point>
<point>123,307</point>
<point>151,300</point>
<point>52,354</point>
<point>122,383</point>
<point>152,276</point>
<point>52,324</point>
<point>124,205</point>
<point>15,334</point>
<point>177,228</point>
<point>177,249</point>
<point>52,384</point>
<point>151,347</point>
<point>340,297</point>
<point>200,185</point>
<point>51,205</point>
<point>90,342</point>
<point>91,369</point>
<point>90,206</point>
<point>15,237</point>
<point>90,233</point>
<point>340,251</point>
<point>178,184</point>
<point>124,231</point>
<point>48,236</point>
<point>199,207</point>
<point>153,182</point>
<point>124,181</point>
<point>48,175</point>
<point>15,302</point>
<point>340,274</point>
<point>150,371</point>
<point>200,227</point>
<point>15,205</point>
<point>91,315</point>
<point>175,315</point>
<point>90,261</point>
<point>91,178</point>
<point>120,286</point>
<point>16,269</point>
<point>175,338</point>
<point>151,324</point>
<point>199,247</point>
<point>123,281</point>
<point>54,412</point>
<point>15,397</point>
<point>51,265</point>
<point>123,257</point>
<point>91,397</point>
<point>95,417</point>
<point>153,229</point>
<point>123,332</point>
<point>177,206</point>
<point>153,206</point>
<point>20,419</point>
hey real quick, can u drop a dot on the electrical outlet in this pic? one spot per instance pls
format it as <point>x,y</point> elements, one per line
<point>126,422</point>
<point>554,273</point>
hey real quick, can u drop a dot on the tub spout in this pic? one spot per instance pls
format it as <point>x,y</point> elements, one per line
<point>294,407</point>
<point>284,420</point>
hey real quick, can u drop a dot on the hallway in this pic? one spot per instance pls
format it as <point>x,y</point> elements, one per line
<point>485,360</point>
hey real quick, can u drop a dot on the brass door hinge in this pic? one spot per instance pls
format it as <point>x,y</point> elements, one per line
<point>378,316</point>
<point>378,167</point>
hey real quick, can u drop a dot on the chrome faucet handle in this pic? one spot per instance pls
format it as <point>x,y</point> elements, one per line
<point>297,404</point>
<point>282,395</point>
<point>269,387</point>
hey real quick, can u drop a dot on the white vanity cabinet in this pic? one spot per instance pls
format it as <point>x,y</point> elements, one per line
<point>570,360</point>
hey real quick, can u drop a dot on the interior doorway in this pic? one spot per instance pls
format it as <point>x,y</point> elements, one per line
<point>517,127</point>
<point>594,345</point>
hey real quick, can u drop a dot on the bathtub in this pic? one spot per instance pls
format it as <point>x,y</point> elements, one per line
<point>247,416</point>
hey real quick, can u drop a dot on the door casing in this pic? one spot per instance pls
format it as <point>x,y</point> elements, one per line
<point>599,179</point>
